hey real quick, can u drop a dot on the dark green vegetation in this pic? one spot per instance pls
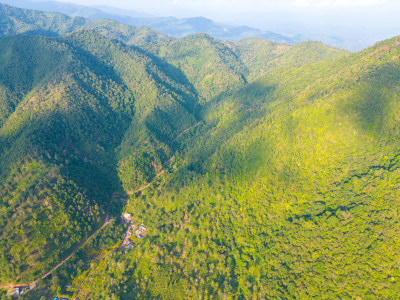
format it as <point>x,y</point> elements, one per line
<point>71,109</point>
<point>211,65</point>
<point>289,188</point>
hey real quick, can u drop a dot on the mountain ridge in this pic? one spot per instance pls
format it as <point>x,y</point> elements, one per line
<point>31,22</point>
<point>169,26</point>
<point>252,169</point>
<point>46,138</point>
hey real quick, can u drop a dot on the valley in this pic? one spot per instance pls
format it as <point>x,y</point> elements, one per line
<point>256,169</point>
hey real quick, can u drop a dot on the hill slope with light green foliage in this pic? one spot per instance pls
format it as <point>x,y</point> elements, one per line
<point>288,188</point>
<point>259,56</point>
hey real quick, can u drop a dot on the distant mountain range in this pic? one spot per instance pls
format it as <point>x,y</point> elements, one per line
<point>258,170</point>
<point>171,26</point>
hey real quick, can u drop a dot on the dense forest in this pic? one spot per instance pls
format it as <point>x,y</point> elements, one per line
<point>255,169</point>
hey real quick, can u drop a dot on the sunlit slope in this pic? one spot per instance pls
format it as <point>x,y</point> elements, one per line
<point>316,174</point>
<point>209,64</point>
<point>261,56</point>
<point>289,190</point>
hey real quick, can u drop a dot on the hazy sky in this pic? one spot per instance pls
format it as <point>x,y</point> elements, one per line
<point>259,12</point>
<point>367,20</point>
<point>236,6</point>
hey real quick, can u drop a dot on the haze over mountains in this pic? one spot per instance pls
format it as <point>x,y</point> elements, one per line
<point>351,25</point>
<point>170,26</point>
<point>256,169</point>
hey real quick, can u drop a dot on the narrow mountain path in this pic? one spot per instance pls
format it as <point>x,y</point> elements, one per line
<point>69,256</point>
<point>60,264</point>
<point>106,222</point>
<point>107,219</point>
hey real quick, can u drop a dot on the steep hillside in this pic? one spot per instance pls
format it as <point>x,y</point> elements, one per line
<point>260,56</point>
<point>214,67</point>
<point>211,65</point>
<point>78,113</point>
<point>289,190</point>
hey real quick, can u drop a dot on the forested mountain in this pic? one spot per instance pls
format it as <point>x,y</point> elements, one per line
<point>261,56</point>
<point>255,169</point>
<point>71,108</point>
<point>171,26</point>
<point>289,190</point>
<point>216,67</point>
<point>33,22</point>
<point>211,65</point>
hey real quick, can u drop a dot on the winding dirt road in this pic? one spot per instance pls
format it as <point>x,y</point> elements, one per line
<point>107,218</point>
<point>106,222</point>
<point>69,256</point>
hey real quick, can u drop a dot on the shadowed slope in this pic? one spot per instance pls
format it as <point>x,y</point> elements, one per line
<point>77,104</point>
